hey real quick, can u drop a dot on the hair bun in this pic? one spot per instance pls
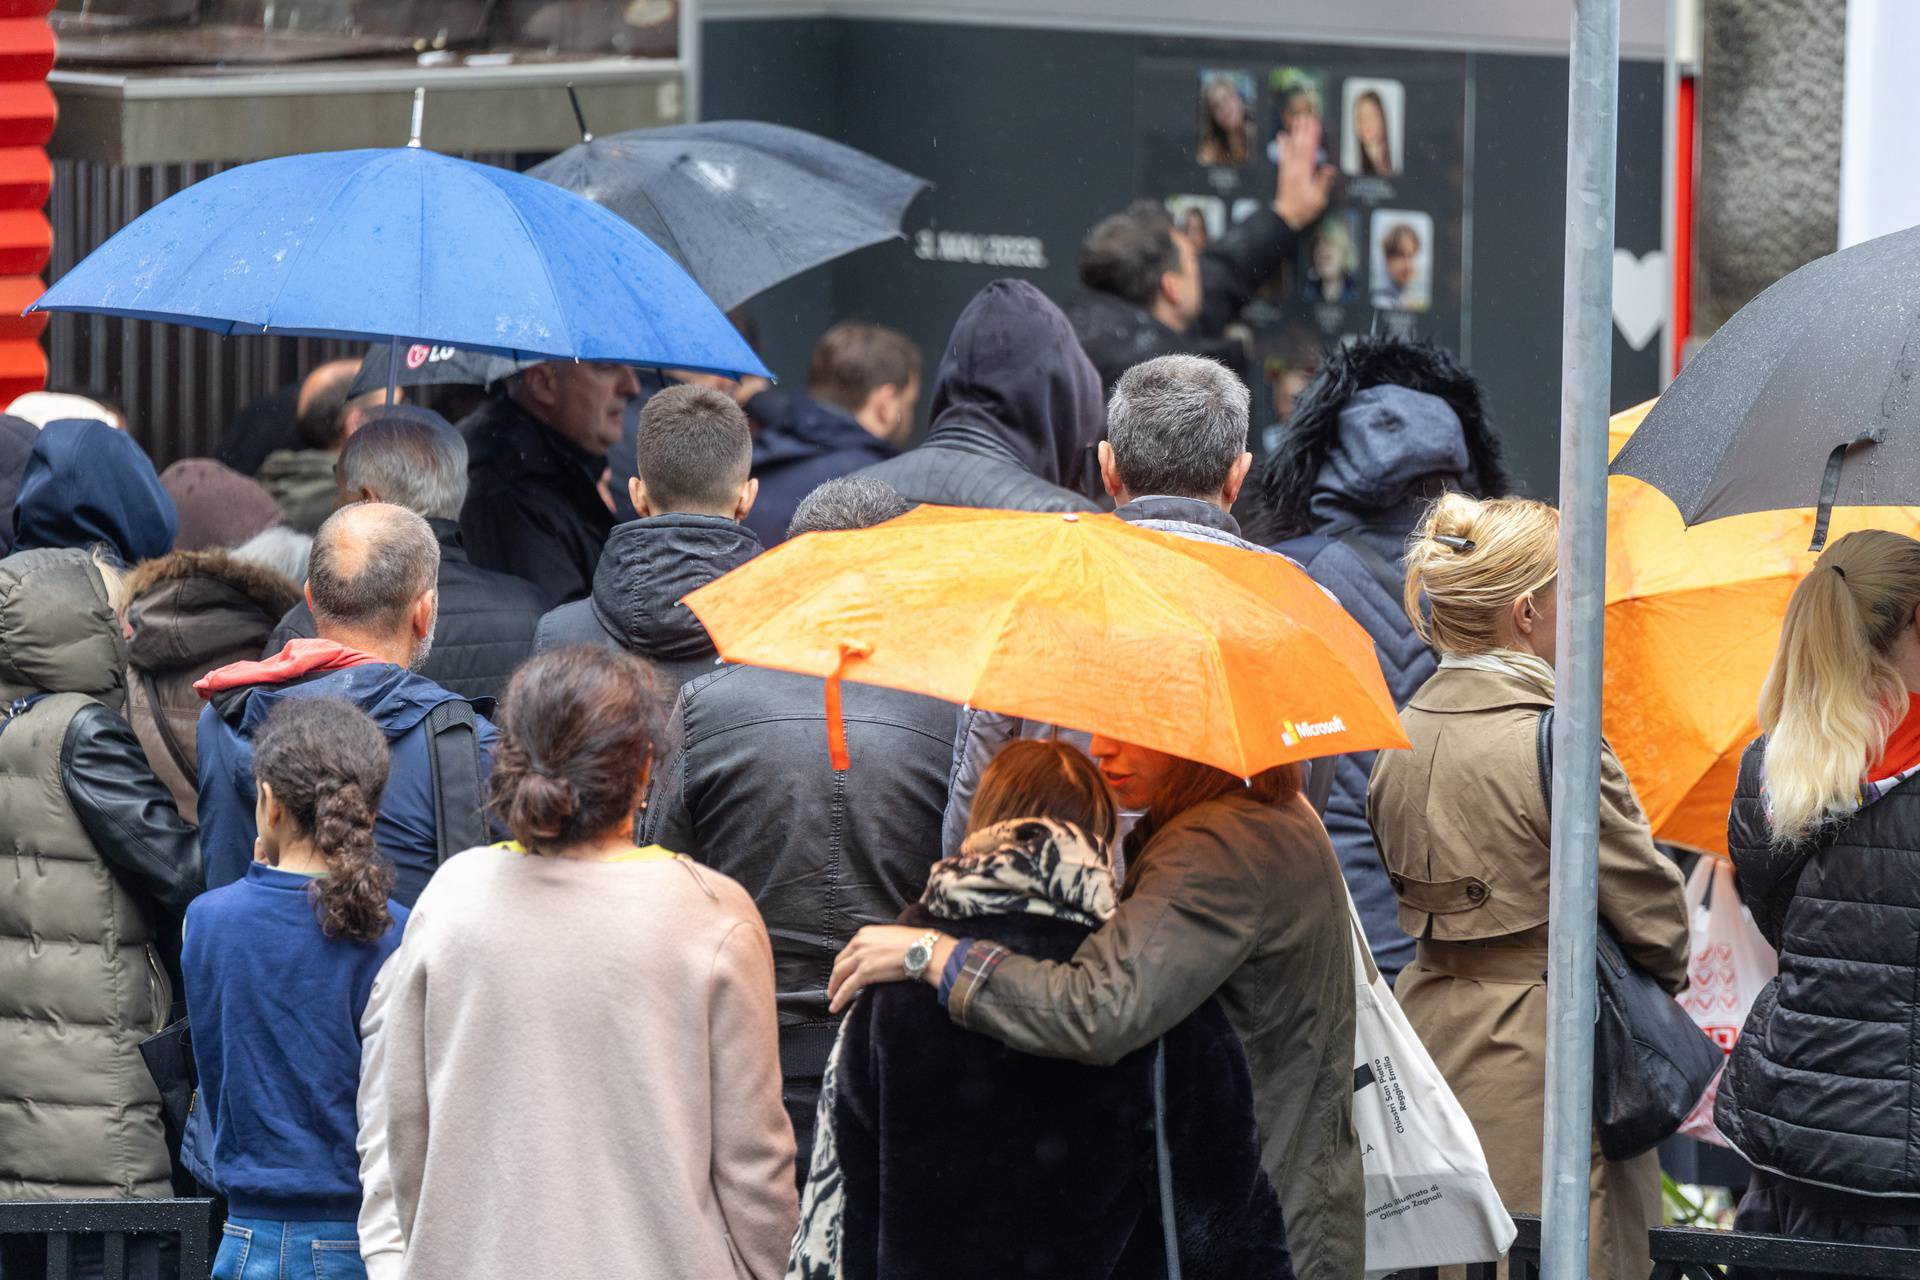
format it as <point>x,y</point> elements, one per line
<point>542,804</point>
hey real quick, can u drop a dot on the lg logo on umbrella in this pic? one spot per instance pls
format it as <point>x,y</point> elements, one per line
<point>1291,733</point>
<point>420,353</point>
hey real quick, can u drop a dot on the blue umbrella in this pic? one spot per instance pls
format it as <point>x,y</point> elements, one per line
<point>406,244</point>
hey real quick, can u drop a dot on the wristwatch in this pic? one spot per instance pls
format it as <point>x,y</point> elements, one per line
<point>920,954</point>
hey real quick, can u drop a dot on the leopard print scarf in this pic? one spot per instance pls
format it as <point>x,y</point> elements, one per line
<point>1026,865</point>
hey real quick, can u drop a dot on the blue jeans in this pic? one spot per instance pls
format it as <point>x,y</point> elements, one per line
<point>265,1249</point>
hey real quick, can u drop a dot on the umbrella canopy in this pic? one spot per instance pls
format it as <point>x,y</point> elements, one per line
<point>1805,398</point>
<point>409,244</point>
<point>742,205</point>
<point>1693,619</point>
<point>1233,658</point>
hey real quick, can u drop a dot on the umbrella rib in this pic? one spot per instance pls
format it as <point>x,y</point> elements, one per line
<point>313,221</point>
<point>546,272</point>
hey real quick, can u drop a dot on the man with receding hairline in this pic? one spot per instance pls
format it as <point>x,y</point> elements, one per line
<point>371,586</point>
<point>692,491</point>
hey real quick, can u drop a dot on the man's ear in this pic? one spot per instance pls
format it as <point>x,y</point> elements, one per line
<point>306,589</point>
<point>1109,471</point>
<point>420,619</point>
<point>637,495</point>
<point>1236,477</point>
<point>748,492</point>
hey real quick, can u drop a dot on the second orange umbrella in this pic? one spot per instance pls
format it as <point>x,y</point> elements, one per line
<point>1212,653</point>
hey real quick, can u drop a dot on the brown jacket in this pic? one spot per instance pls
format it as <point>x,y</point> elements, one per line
<point>189,613</point>
<point>1462,826</point>
<point>1245,901</point>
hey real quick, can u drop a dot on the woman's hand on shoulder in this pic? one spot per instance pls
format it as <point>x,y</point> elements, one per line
<point>878,954</point>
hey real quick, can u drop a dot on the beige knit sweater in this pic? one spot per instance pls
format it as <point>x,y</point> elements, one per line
<point>580,1075</point>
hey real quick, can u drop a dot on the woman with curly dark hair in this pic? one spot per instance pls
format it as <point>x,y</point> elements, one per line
<point>279,966</point>
<point>571,1003</point>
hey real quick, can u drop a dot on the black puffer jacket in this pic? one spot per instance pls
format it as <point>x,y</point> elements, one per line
<point>1823,1086</point>
<point>484,630</point>
<point>649,566</point>
<point>1016,412</point>
<point>533,501</point>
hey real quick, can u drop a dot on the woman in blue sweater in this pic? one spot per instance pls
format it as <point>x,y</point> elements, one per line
<point>278,969</point>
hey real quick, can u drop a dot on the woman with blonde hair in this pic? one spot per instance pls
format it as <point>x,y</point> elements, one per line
<point>1820,1092</point>
<point>1462,824</point>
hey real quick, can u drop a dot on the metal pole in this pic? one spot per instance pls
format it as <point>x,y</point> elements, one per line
<point>1585,391</point>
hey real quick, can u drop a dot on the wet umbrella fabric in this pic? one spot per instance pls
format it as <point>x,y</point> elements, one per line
<point>405,243</point>
<point>1809,397</point>
<point>1234,658</point>
<point>741,204</point>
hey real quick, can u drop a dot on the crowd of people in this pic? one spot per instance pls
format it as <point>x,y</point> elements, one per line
<point>516,934</point>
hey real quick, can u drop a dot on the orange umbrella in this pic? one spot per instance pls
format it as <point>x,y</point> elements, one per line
<point>1693,617</point>
<point>1229,657</point>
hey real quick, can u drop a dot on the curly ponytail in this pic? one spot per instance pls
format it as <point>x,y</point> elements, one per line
<point>327,763</point>
<point>1832,695</point>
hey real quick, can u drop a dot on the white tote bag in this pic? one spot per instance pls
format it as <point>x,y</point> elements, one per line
<point>1430,1200</point>
<point>1731,963</point>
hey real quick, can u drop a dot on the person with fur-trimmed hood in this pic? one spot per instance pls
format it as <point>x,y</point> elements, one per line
<point>189,613</point>
<point>1386,425</point>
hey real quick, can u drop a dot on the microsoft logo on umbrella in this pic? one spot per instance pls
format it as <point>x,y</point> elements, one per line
<point>1291,733</point>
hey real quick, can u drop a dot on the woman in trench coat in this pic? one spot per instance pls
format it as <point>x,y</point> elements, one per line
<point>1462,826</point>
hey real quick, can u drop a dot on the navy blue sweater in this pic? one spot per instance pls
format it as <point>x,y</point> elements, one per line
<point>276,1008</point>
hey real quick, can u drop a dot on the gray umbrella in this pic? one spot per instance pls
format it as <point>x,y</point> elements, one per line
<point>741,204</point>
<point>1805,398</point>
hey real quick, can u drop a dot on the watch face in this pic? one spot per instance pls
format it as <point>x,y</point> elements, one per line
<point>917,956</point>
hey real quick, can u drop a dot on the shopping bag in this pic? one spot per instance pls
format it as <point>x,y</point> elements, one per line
<point>1429,1199</point>
<point>1731,962</point>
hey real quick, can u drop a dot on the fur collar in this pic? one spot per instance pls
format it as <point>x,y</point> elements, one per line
<point>268,588</point>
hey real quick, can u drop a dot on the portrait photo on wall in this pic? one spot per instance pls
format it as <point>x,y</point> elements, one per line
<point>1292,92</point>
<point>1402,260</point>
<point>1225,119</point>
<point>1373,117</point>
<point>1202,217</point>
<point>1332,274</point>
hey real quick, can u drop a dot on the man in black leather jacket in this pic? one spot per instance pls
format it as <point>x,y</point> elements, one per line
<point>750,791</point>
<point>415,459</point>
<point>1149,293</point>
<point>1016,412</point>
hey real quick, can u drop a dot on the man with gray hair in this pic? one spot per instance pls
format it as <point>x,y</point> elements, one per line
<point>371,589</point>
<point>1174,459</point>
<point>415,459</point>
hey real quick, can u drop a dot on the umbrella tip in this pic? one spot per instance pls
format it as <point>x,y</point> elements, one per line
<point>1071,517</point>
<point>419,113</point>
<point>579,116</point>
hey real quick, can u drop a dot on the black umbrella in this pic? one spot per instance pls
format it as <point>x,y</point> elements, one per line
<point>741,204</point>
<point>1807,397</point>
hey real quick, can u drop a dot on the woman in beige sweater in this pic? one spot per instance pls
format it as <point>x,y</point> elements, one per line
<point>578,1064</point>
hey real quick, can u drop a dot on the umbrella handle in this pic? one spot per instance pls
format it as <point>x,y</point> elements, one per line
<point>836,724</point>
<point>1830,483</point>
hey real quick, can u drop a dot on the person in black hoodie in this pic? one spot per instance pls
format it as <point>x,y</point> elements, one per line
<point>862,383</point>
<point>1016,412</point>
<point>692,492</point>
<point>1386,426</point>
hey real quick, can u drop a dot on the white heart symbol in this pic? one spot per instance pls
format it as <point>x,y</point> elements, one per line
<point>1639,296</point>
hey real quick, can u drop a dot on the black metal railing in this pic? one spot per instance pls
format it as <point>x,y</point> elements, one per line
<point>129,1238</point>
<point>1690,1253</point>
